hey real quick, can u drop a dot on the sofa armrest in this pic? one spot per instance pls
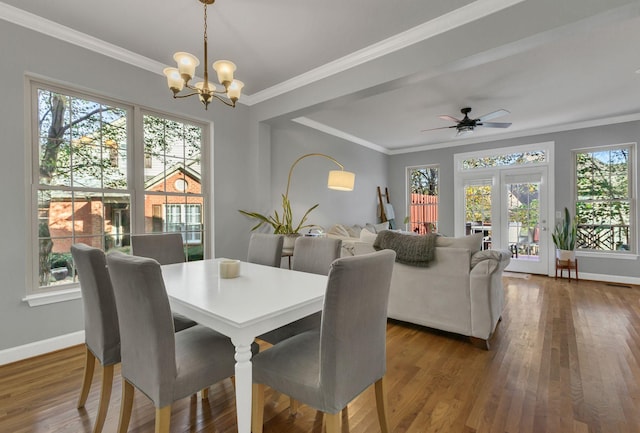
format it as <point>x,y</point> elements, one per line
<point>486,292</point>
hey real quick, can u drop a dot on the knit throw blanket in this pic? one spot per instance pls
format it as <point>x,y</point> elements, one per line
<point>410,249</point>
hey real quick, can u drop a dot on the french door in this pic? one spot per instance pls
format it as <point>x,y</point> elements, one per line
<point>523,215</point>
<point>509,206</point>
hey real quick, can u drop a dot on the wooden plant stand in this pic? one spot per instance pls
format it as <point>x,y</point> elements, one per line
<point>561,265</point>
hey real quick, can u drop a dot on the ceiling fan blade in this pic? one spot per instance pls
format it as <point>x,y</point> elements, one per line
<point>451,118</point>
<point>493,115</point>
<point>495,124</point>
<point>433,129</point>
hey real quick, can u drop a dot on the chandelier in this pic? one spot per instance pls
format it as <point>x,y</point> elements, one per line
<point>178,78</point>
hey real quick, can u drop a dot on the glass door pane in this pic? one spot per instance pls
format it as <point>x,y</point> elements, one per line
<point>477,205</point>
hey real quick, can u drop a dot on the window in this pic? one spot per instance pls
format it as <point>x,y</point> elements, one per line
<point>507,159</point>
<point>603,198</point>
<point>186,219</point>
<point>173,181</point>
<point>423,199</point>
<point>83,178</point>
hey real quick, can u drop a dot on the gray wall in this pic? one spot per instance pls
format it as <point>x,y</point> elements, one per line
<point>290,141</point>
<point>243,163</point>
<point>30,52</point>
<point>565,142</point>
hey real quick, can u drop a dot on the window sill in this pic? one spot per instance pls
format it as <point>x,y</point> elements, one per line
<point>38,299</point>
<point>611,255</point>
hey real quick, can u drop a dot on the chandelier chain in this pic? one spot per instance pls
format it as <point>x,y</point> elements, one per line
<point>205,22</point>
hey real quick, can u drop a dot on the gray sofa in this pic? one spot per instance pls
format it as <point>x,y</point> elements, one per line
<point>460,291</point>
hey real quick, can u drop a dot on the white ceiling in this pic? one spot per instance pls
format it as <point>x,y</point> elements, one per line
<point>554,65</point>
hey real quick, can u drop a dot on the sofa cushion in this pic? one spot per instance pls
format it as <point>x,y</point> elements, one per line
<point>367,236</point>
<point>410,250</point>
<point>471,242</point>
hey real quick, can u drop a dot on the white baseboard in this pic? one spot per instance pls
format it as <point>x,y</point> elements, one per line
<point>36,348</point>
<point>608,278</point>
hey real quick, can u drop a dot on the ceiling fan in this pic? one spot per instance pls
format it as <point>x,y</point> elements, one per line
<point>466,125</point>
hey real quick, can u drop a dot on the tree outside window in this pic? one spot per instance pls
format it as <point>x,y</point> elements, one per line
<point>81,181</point>
<point>603,198</point>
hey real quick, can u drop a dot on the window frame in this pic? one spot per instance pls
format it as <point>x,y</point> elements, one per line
<point>633,212</point>
<point>42,295</point>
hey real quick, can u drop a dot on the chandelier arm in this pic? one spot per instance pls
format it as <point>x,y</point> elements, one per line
<point>177,96</point>
<point>223,100</point>
<point>286,194</point>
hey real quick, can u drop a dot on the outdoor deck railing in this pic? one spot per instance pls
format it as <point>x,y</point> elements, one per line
<point>603,237</point>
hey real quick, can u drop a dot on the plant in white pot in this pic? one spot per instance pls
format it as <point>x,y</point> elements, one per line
<point>564,237</point>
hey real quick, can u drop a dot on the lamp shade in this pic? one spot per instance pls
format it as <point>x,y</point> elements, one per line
<point>186,64</point>
<point>174,79</point>
<point>341,180</point>
<point>235,88</point>
<point>225,70</point>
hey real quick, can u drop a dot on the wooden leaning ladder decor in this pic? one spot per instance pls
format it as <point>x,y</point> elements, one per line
<point>386,210</point>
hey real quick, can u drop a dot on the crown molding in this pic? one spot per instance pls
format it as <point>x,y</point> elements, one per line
<point>56,30</point>
<point>527,133</point>
<point>449,21</point>
<point>340,134</point>
<point>457,143</point>
<point>67,34</point>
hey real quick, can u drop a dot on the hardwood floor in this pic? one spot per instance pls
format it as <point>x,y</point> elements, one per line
<point>565,358</point>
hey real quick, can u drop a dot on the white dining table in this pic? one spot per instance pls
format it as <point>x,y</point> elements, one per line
<point>260,299</point>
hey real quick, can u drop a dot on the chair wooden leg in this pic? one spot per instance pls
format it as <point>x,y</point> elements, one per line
<point>293,406</point>
<point>105,396</point>
<point>205,393</point>
<point>381,404</point>
<point>126,406</point>
<point>333,422</point>
<point>163,419</point>
<point>89,365</point>
<point>257,407</point>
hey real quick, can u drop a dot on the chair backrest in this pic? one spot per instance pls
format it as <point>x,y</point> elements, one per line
<point>101,331</point>
<point>354,324</point>
<point>315,255</point>
<point>146,325</point>
<point>166,248</point>
<point>265,249</point>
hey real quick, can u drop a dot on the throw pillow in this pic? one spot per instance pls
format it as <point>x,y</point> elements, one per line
<point>367,236</point>
<point>339,230</point>
<point>473,242</point>
<point>381,226</point>
<point>354,231</point>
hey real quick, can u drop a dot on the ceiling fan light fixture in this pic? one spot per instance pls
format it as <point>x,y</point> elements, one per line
<point>464,130</point>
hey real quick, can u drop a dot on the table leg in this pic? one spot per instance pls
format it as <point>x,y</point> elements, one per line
<point>243,384</point>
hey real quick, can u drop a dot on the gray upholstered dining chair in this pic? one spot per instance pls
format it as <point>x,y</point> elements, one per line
<point>265,249</point>
<point>313,255</point>
<point>329,367</point>
<point>101,333</point>
<point>166,249</point>
<point>164,365</point>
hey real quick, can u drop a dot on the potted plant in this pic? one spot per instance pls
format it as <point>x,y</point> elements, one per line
<point>564,237</point>
<point>282,224</point>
